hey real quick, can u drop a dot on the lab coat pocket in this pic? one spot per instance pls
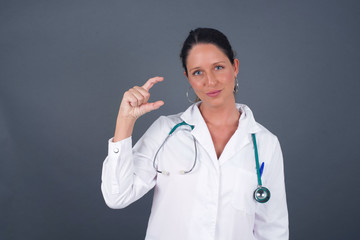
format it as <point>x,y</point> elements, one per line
<point>242,196</point>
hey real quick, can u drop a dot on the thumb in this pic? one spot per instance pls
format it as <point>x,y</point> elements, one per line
<point>148,107</point>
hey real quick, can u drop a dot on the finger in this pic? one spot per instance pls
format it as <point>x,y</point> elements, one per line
<point>133,101</point>
<point>130,98</point>
<point>148,107</point>
<point>151,82</point>
<point>157,104</point>
<point>140,98</point>
<point>143,92</point>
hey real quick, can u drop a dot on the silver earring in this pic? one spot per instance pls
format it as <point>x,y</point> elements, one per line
<point>187,95</point>
<point>236,88</point>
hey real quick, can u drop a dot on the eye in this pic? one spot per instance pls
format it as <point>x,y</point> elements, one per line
<point>198,72</point>
<point>219,67</point>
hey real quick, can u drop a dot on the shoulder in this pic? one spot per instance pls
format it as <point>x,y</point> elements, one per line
<point>158,130</point>
<point>263,135</point>
<point>266,138</point>
<point>169,120</point>
<point>164,124</point>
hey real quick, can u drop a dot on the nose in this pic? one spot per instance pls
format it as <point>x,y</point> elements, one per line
<point>211,79</point>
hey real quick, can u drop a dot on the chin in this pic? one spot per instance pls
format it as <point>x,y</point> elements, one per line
<point>213,102</point>
<point>218,101</point>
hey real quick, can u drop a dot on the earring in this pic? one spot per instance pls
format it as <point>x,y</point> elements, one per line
<point>236,87</point>
<point>187,95</point>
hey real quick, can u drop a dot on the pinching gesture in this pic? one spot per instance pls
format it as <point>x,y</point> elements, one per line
<point>133,105</point>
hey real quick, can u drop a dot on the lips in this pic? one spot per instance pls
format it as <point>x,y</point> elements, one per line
<point>213,93</point>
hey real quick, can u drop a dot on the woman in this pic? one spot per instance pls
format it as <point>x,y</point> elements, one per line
<point>202,161</point>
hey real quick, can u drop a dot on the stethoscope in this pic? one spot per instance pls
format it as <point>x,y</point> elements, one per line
<point>261,194</point>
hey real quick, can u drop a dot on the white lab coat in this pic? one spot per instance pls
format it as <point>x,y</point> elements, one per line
<point>213,202</point>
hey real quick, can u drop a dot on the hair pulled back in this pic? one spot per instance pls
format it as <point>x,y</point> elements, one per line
<point>206,35</point>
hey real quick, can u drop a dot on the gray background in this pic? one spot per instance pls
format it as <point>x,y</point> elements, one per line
<point>64,66</point>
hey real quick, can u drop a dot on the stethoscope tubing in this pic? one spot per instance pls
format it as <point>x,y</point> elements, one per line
<point>261,194</point>
<point>256,160</point>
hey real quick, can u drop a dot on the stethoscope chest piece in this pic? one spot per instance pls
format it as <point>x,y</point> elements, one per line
<point>262,194</point>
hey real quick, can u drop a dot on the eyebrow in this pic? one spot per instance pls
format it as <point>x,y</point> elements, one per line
<point>211,64</point>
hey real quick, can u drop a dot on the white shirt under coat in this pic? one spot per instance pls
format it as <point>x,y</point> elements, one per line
<point>213,202</point>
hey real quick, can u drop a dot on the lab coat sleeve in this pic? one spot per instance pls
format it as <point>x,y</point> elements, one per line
<point>271,218</point>
<point>127,172</point>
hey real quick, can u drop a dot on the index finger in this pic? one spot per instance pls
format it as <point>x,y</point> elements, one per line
<point>149,83</point>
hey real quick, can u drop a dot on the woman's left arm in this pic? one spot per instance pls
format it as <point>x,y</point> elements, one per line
<point>271,218</point>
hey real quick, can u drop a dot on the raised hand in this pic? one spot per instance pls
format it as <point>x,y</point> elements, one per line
<point>135,101</point>
<point>133,105</point>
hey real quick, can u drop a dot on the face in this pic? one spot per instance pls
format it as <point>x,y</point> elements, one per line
<point>211,74</point>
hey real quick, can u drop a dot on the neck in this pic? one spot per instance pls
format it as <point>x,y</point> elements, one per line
<point>220,116</point>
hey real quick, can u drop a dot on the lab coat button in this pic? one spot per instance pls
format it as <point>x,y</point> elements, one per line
<point>116,150</point>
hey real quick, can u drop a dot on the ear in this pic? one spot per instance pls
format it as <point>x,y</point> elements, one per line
<point>236,66</point>
<point>185,74</point>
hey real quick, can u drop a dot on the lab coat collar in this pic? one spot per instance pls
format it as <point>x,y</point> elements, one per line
<point>193,116</point>
<point>240,138</point>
